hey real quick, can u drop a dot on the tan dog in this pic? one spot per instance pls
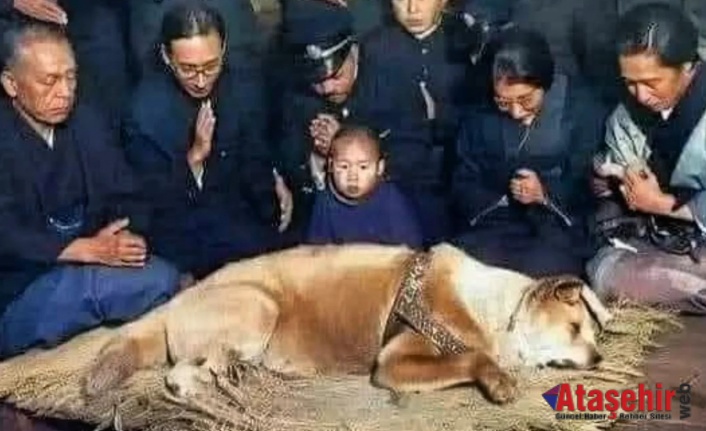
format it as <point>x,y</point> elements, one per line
<point>324,310</point>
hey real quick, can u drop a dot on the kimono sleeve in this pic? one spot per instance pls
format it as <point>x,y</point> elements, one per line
<point>469,188</point>
<point>257,156</point>
<point>20,240</point>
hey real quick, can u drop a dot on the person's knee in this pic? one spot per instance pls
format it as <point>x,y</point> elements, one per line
<point>123,294</point>
<point>160,276</point>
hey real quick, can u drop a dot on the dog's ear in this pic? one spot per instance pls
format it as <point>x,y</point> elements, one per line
<point>594,305</point>
<point>567,289</point>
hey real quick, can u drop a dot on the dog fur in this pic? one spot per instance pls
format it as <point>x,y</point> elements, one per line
<point>322,310</point>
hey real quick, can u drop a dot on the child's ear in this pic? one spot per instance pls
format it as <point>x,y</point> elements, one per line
<point>381,167</point>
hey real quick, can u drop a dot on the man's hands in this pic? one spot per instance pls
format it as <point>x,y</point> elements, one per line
<point>113,245</point>
<point>43,10</point>
<point>322,130</point>
<point>526,187</point>
<point>203,138</point>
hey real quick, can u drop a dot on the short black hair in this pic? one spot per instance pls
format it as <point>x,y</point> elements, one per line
<point>23,30</point>
<point>188,19</point>
<point>357,131</point>
<point>659,29</point>
<point>521,56</point>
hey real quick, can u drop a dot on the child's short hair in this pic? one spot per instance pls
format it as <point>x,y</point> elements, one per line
<point>351,132</point>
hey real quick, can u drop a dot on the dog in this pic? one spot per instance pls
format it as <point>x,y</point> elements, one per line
<point>314,310</point>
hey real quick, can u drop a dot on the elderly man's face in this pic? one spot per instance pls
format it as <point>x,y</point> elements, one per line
<point>42,81</point>
<point>197,63</point>
<point>338,87</point>
<point>417,16</point>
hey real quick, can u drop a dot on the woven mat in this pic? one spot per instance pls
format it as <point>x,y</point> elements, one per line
<point>48,383</point>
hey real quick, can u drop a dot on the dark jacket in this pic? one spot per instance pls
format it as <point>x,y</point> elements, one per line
<point>28,247</point>
<point>238,184</point>
<point>402,64</point>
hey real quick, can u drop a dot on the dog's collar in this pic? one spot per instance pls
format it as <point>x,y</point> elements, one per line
<point>516,312</point>
<point>409,308</point>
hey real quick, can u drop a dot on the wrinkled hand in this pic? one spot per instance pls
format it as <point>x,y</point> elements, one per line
<point>43,10</point>
<point>286,202</point>
<point>643,193</point>
<point>203,138</point>
<point>527,188</point>
<point>113,245</point>
<point>322,130</point>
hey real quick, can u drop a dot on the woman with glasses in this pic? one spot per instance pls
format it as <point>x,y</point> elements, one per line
<point>520,185</point>
<point>195,134</point>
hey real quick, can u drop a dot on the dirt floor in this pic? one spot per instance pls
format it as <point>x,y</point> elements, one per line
<point>682,356</point>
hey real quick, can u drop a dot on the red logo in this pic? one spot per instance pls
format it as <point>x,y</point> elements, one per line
<point>633,404</point>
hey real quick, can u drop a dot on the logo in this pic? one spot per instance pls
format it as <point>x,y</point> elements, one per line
<point>629,404</point>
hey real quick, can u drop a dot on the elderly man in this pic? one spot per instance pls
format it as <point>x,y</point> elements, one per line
<point>72,258</point>
<point>96,31</point>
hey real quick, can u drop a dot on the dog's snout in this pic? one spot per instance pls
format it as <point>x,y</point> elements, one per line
<point>563,363</point>
<point>596,358</point>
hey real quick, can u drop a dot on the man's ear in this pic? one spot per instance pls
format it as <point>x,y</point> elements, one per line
<point>381,167</point>
<point>9,83</point>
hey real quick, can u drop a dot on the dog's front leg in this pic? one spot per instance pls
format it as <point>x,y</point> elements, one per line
<point>410,363</point>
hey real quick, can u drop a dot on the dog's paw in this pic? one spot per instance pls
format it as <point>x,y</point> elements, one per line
<point>500,386</point>
<point>186,380</point>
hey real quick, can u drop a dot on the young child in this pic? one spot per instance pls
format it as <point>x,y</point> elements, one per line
<point>358,205</point>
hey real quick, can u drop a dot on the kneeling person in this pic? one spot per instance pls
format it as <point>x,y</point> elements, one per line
<point>71,256</point>
<point>358,205</point>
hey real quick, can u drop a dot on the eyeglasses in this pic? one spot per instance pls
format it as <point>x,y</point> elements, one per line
<point>526,101</point>
<point>191,71</point>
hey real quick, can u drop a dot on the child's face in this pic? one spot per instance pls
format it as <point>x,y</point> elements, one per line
<point>356,168</point>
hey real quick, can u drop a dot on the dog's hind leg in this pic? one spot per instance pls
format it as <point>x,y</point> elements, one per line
<point>409,363</point>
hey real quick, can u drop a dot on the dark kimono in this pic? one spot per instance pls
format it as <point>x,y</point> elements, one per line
<point>385,217</point>
<point>235,213</point>
<point>48,198</point>
<point>534,239</point>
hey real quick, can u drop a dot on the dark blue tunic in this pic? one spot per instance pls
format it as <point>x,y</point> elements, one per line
<point>385,217</point>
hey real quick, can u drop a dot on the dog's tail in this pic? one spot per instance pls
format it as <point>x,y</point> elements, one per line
<point>140,345</point>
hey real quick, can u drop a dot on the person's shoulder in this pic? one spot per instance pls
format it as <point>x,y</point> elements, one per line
<point>480,112</point>
<point>91,115</point>
<point>380,41</point>
<point>152,90</point>
<point>391,193</point>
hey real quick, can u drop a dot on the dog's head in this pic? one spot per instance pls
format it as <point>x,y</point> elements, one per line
<point>559,321</point>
